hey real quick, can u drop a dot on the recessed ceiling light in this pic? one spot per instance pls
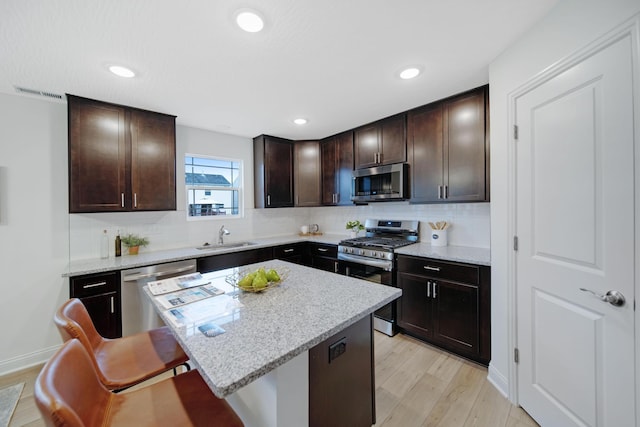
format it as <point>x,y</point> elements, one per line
<point>249,21</point>
<point>300,121</point>
<point>121,71</point>
<point>409,73</point>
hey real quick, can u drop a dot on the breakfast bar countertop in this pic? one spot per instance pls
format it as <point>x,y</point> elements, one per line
<point>265,330</point>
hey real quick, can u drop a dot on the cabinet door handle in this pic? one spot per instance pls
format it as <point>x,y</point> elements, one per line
<point>268,200</point>
<point>439,191</point>
<point>428,267</point>
<point>375,157</point>
<point>428,289</point>
<point>122,199</point>
<point>135,200</point>
<point>93,285</point>
<point>335,266</point>
<point>288,250</point>
<point>113,308</point>
<point>446,192</point>
<point>434,289</point>
<point>322,250</point>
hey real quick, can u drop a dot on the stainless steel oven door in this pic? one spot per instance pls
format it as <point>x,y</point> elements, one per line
<point>384,319</point>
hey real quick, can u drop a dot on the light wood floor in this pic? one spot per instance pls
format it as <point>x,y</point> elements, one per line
<point>416,385</point>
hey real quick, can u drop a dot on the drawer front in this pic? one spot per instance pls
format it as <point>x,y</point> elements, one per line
<point>428,267</point>
<point>288,251</point>
<point>94,284</point>
<point>320,249</point>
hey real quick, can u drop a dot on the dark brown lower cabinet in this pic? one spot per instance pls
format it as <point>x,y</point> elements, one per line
<point>234,259</point>
<point>323,257</point>
<point>446,304</point>
<point>293,252</point>
<point>100,293</point>
<point>341,378</point>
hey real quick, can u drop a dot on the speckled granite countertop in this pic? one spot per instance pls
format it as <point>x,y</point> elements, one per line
<point>272,327</point>
<point>89,266</point>
<point>479,256</point>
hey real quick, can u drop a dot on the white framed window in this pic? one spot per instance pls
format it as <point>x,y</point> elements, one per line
<point>213,187</point>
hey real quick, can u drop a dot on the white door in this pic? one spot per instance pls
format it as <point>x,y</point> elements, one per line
<point>575,228</point>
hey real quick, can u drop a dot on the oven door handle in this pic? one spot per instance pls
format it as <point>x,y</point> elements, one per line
<point>386,265</point>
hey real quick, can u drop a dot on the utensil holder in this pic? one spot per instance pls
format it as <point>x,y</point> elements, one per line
<point>439,238</point>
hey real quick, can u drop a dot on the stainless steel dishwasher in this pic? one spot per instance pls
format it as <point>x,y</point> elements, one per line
<point>138,313</point>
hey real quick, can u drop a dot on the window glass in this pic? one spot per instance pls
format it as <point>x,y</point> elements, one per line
<point>213,186</point>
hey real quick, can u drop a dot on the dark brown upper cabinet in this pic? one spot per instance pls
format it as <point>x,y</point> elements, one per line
<point>448,149</point>
<point>120,158</point>
<point>337,168</point>
<point>273,172</point>
<point>306,173</point>
<point>381,143</point>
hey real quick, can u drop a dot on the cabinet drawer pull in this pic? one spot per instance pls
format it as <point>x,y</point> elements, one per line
<point>122,199</point>
<point>93,285</point>
<point>113,309</point>
<point>428,267</point>
<point>288,250</point>
<point>322,250</point>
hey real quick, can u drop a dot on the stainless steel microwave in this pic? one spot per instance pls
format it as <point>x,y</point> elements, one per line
<point>380,183</point>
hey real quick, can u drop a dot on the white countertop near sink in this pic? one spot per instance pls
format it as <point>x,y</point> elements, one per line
<point>479,256</point>
<point>90,266</point>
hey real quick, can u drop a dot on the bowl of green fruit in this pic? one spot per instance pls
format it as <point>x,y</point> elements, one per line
<point>258,280</point>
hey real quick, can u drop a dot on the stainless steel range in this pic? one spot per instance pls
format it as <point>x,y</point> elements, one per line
<point>372,258</point>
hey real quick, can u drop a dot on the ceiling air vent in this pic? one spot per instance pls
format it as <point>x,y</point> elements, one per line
<point>36,92</point>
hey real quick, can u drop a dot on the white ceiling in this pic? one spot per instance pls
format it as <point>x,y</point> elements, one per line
<point>334,62</point>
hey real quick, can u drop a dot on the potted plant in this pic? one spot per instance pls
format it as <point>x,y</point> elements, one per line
<point>133,242</point>
<point>355,227</point>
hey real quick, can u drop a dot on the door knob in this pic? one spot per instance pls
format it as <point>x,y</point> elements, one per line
<point>612,297</point>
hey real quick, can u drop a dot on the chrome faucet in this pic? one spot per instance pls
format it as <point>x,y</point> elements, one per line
<point>223,232</point>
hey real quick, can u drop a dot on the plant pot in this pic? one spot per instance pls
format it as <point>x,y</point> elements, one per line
<point>133,250</point>
<point>354,234</point>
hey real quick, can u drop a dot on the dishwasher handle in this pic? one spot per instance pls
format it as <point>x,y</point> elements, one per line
<point>135,277</point>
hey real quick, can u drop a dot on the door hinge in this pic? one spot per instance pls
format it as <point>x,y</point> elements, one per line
<point>515,131</point>
<point>516,355</point>
<point>515,243</point>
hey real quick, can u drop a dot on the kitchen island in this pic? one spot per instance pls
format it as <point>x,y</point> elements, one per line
<point>287,354</point>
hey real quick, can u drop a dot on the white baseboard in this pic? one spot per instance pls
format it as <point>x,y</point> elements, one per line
<point>499,381</point>
<point>28,360</point>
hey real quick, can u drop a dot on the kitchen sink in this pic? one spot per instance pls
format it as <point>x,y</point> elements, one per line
<point>230,245</point>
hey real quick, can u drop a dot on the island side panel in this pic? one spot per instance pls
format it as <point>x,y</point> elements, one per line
<point>341,378</point>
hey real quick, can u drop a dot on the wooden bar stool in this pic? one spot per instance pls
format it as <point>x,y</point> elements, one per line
<point>120,362</point>
<point>69,392</point>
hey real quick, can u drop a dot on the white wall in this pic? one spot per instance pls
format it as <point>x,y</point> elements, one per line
<point>571,25</point>
<point>34,239</point>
